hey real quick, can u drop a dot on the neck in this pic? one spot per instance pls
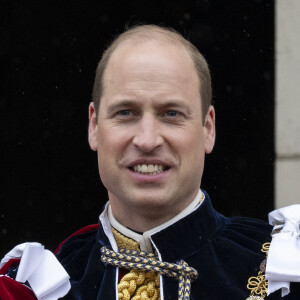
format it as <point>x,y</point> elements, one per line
<point>142,221</point>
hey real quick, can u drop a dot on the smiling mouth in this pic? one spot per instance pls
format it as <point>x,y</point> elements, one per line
<point>148,169</point>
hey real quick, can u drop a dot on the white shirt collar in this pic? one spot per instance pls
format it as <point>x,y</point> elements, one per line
<point>144,239</point>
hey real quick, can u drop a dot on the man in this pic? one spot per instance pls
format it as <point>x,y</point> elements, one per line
<point>151,123</point>
<point>148,112</point>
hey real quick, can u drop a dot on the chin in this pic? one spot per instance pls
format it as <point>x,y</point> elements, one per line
<point>153,202</point>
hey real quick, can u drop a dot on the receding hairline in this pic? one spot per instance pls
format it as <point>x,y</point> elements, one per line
<point>136,41</point>
<point>164,35</point>
<point>148,33</point>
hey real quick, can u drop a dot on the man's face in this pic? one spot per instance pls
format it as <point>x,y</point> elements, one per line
<point>150,136</point>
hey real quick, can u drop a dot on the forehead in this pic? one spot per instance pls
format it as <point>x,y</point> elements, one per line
<point>151,60</point>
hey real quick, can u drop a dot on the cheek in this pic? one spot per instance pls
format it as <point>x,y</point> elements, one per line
<point>190,142</point>
<point>191,152</point>
<point>107,139</point>
<point>111,146</point>
<point>108,168</point>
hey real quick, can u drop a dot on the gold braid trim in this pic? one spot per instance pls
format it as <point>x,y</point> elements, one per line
<point>259,285</point>
<point>139,285</point>
<point>124,242</point>
<point>136,285</point>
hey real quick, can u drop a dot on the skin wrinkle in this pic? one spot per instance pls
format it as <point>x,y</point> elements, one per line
<point>155,68</point>
<point>148,86</point>
<point>161,108</point>
<point>139,35</point>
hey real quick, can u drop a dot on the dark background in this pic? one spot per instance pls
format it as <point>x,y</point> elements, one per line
<point>49,50</point>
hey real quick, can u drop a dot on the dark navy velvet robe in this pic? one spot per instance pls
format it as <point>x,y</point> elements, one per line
<point>226,252</point>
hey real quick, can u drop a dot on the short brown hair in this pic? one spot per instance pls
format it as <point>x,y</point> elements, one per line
<point>154,32</point>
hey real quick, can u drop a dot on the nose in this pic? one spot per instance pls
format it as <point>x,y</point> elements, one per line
<point>148,134</point>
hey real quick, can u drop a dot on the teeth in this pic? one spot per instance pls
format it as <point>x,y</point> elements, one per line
<point>144,169</point>
<point>149,169</point>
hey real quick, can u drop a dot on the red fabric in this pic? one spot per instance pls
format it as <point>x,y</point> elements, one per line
<point>82,230</point>
<point>13,290</point>
<point>11,263</point>
<point>122,273</point>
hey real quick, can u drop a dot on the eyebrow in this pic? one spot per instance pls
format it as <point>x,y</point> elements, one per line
<point>176,103</point>
<point>120,104</point>
<point>172,103</point>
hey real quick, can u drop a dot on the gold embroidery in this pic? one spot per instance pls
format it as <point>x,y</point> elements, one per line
<point>258,285</point>
<point>139,285</point>
<point>136,285</point>
<point>124,242</point>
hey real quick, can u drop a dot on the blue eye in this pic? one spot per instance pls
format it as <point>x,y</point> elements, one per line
<point>172,113</point>
<point>124,112</point>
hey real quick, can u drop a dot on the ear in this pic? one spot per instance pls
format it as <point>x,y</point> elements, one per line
<point>209,130</point>
<point>93,128</point>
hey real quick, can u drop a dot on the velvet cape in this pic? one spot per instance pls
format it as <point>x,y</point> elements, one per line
<point>226,252</point>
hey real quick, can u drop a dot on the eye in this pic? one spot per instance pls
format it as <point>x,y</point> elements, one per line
<point>124,113</point>
<point>173,116</point>
<point>172,113</point>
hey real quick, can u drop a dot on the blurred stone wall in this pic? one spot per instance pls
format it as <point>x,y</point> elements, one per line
<point>287,167</point>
